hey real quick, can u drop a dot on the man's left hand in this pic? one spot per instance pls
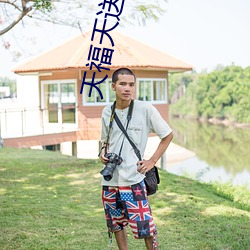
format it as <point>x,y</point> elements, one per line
<point>145,166</point>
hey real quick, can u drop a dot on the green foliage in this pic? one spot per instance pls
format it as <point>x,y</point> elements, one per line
<point>222,94</point>
<point>150,11</point>
<point>241,195</point>
<point>7,82</point>
<point>178,80</point>
<point>43,5</point>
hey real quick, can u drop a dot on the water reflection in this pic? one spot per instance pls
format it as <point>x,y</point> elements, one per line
<point>222,153</point>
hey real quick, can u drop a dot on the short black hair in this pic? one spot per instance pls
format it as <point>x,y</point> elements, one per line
<point>121,71</point>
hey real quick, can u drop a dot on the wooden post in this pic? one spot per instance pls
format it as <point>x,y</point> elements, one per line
<point>164,161</point>
<point>1,141</point>
<point>74,148</point>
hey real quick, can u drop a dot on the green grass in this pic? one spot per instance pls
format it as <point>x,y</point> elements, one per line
<point>51,201</point>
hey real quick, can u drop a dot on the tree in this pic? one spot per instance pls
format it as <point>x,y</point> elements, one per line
<point>222,94</point>
<point>71,12</point>
<point>7,82</point>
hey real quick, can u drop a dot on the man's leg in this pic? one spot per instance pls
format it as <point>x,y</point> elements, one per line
<point>151,243</point>
<point>122,239</point>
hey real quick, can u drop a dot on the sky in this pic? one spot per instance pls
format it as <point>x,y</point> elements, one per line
<point>203,33</point>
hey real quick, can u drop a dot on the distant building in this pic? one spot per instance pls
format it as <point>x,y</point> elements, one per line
<point>50,84</point>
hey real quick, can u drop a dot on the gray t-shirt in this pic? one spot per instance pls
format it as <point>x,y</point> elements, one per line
<point>145,119</point>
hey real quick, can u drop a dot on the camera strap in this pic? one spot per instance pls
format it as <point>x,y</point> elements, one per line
<point>136,150</point>
<point>110,125</point>
<point>106,143</point>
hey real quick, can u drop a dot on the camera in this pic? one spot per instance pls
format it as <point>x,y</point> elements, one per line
<point>109,169</point>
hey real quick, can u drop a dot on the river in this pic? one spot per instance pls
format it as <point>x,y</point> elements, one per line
<point>221,153</point>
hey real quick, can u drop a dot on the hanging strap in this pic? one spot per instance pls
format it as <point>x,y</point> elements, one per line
<point>110,126</point>
<point>137,151</point>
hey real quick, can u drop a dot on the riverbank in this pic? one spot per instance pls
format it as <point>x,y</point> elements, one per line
<point>52,201</point>
<point>226,122</point>
<point>175,153</point>
<point>214,121</point>
<point>222,152</point>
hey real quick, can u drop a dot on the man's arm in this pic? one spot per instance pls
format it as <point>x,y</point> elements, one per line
<point>146,165</point>
<point>104,150</point>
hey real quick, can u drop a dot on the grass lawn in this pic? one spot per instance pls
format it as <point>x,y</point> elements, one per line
<point>51,201</point>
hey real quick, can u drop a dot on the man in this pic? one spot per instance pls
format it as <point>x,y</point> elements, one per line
<point>124,196</point>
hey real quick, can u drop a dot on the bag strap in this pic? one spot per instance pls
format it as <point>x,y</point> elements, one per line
<point>129,116</point>
<point>137,151</point>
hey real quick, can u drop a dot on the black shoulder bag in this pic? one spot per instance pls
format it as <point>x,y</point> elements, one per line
<point>152,178</point>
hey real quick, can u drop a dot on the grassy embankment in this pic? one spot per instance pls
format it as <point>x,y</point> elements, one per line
<point>51,201</point>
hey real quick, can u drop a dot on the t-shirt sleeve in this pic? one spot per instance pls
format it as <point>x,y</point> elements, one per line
<point>104,131</point>
<point>157,124</point>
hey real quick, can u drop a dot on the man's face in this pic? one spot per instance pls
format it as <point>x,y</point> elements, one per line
<point>124,87</point>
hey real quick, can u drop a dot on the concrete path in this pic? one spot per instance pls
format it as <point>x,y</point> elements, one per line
<point>174,154</point>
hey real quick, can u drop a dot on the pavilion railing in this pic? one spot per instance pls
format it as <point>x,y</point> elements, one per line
<point>19,122</point>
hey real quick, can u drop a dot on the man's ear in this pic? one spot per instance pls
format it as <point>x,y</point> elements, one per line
<point>113,86</point>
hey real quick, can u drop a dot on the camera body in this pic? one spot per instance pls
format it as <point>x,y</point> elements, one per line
<point>109,169</point>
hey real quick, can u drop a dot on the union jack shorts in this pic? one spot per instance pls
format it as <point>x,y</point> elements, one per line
<point>128,205</point>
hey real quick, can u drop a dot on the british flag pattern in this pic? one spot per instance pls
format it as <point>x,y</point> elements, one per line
<point>128,205</point>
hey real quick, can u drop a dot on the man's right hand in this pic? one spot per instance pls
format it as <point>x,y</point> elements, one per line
<point>103,159</point>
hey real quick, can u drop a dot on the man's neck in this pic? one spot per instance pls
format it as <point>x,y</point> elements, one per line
<point>122,104</point>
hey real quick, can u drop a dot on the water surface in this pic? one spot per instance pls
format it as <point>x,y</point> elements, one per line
<point>222,153</point>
